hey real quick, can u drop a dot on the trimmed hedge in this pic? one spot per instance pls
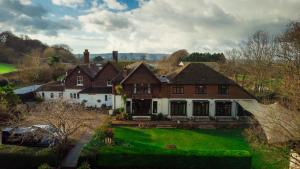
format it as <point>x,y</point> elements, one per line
<point>29,160</point>
<point>156,161</point>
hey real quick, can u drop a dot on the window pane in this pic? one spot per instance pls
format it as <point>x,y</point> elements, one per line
<point>223,108</point>
<point>201,108</point>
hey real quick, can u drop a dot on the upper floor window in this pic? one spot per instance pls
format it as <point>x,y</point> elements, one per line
<point>223,89</point>
<point>108,83</point>
<point>200,89</point>
<point>79,81</point>
<point>142,88</point>
<point>177,90</point>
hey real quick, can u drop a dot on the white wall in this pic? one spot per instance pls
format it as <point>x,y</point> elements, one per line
<point>47,95</point>
<point>117,102</point>
<point>96,100</point>
<point>66,95</point>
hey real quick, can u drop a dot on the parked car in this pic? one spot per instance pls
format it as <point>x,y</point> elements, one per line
<point>36,135</point>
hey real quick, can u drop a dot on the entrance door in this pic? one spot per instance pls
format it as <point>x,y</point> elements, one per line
<point>141,107</point>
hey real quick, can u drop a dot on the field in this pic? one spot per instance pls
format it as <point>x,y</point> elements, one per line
<point>147,148</point>
<point>6,68</point>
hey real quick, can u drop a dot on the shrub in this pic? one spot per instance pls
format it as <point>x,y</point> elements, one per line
<point>84,165</point>
<point>158,117</point>
<point>45,166</point>
<point>124,116</point>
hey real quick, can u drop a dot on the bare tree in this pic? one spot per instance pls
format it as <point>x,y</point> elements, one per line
<point>259,52</point>
<point>70,120</point>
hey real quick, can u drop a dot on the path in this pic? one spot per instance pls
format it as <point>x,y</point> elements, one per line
<point>70,161</point>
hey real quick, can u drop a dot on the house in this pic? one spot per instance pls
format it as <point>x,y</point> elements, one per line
<point>87,83</point>
<point>195,91</point>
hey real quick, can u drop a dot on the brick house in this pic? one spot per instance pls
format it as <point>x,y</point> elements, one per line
<point>196,91</point>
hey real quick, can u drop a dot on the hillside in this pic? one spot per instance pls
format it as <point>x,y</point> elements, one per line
<point>129,56</point>
<point>13,48</point>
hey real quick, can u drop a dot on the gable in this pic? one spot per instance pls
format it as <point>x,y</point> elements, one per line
<point>141,74</point>
<point>75,72</point>
<point>109,69</point>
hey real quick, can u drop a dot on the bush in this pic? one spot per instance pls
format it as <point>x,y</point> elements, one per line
<point>118,111</point>
<point>124,116</point>
<point>158,117</point>
<point>45,166</point>
<point>84,165</point>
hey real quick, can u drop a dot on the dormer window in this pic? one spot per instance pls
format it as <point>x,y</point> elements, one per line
<point>79,81</point>
<point>108,83</point>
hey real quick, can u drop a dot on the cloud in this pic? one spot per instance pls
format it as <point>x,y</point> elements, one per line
<point>197,25</point>
<point>68,3</point>
<point>115,5</point>
<point>25,2</point>
<point>30,18</point>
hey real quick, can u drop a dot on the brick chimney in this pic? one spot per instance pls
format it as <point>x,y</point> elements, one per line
<point>115,56</point>
<point>86,57</point>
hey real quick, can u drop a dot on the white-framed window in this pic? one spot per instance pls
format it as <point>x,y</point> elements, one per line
<point>51,95</point>
<point>71,95</point>
<point>149,88</point>
<point>79,81</point>
<point>105,97</point>
<point>74,95</point>
<point>108,83</point>
<point>43,95</point>
<point>60,95</point>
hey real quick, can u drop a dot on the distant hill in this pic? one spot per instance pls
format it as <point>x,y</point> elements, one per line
<point>128,56</point>
<point>14,48</point>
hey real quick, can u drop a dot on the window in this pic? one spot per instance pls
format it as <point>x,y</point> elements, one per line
<point>200,108</point>
<point>79,81</point>
<point>223,89</point>
<point>105,97</point>
<point>200,89</point>
<point>51,95</point>
<point>78,96</point>
<point>60,95</point>
<point>71,95</point>
<point>154,107</point>
<point>128,107</point>
<point>142,88</point>
<point>108,83</point>
<point>43,95</point>
<point>178,108</point>
<point>74,95</point>
<point>177,90</point>
<point>223,108</point>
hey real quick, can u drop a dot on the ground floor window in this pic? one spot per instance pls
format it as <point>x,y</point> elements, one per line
<point>241,111</point>
<point>128,107</point>
<point>223,108</point>
<point>154,107</point>
<point>178,108</point>
<point>200,108</point>
<point>51,95</point>
<point>43,95</point>
<point>60,95</point>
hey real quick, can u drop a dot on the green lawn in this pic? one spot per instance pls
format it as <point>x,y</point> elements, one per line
<point>148,147</point>
<point>6,68</point>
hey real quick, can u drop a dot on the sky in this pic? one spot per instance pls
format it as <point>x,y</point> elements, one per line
<point>148,26</point>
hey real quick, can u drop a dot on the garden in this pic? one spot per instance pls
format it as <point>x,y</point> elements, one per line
<point>6,68</point>
<point>177,148</point>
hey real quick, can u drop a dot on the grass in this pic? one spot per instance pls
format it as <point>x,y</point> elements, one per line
<point>137,143</point>
<point>6,68</point>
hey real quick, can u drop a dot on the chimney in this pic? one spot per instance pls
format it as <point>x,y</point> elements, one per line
<point>115,56</point>
<point>86,57</point>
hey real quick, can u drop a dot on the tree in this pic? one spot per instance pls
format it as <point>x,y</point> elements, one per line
<point>289,56</point>
<point>259,52</point>
<point>98,59</point>
<point>69,119</point>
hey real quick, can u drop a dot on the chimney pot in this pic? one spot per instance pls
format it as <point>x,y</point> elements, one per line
<point>115,56</point>
<point>86,57</point>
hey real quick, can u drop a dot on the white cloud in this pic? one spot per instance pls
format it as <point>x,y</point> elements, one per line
<point>25,2</point>
<point>196,25</point>
<point>115,5</point>
<point>69,3</point>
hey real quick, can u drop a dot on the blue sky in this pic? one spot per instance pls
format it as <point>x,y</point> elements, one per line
<point>154,26</point>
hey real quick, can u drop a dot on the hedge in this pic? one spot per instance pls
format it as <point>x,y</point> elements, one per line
<point>156,161</point>
<point>20,160</point>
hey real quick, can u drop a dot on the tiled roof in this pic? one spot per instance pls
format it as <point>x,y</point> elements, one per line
<point>51,87</point>
<point>199,73</point>
<point>97,90</point>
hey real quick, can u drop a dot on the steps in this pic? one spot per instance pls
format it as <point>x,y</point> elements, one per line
<point>165,126</point>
